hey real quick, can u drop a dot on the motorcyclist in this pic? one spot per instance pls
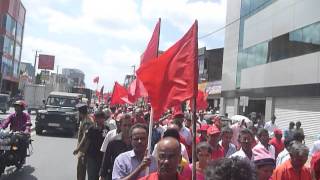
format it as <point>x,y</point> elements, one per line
<point>19,121</point>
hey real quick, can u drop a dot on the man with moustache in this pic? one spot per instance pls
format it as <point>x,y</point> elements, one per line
<point>169,156</point>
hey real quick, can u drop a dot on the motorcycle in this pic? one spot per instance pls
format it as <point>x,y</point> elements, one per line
<point>14,148</point>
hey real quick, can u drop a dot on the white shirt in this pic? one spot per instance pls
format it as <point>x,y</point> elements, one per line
<point>186,134</point>
<point>282,157</point>
<point>315,147</point>
<point>241,154</point>
<point>184,152</point>
<point>271,149</point>
<point>107,139</point>
<point>270,127</point>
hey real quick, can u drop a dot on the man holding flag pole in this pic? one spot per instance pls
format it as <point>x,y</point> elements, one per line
<point>176,80</point>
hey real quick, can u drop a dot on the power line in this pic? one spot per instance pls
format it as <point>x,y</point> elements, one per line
<point>236,20</point>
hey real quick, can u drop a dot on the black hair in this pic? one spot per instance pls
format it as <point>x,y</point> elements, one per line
<point>233,168</point>
<point>138,126</point>
<point>99,114</point>
<point>261,131</point>
<point>172,133</point>
<point>298,136</point>
<point>246,131</point>
<point>204,145</point>
<point>178,123</point>
<point>226,129</point>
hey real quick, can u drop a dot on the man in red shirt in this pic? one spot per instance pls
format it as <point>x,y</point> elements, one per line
<point>213,139</point>
<point>294,168</point>
<point>168,158</point>
<point>277,141</point>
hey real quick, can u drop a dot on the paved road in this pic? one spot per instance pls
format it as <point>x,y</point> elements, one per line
<point>52,159</point>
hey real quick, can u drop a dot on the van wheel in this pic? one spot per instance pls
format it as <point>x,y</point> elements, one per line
<point>38,131</point>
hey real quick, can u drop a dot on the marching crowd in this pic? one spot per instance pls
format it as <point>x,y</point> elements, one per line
<point>112,145</point>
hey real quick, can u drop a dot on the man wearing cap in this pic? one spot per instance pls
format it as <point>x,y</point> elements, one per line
<point>264,163</point>
<point>203,133</point>
<point>277,142</point>
<point>19,121</point>
<point>85,122</point>
<point>213,139</point>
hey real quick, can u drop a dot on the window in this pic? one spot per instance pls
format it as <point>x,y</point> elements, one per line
<point>8,46</point>
<point>16,69</point>
<point>17,52</point>
<point>10,25</point>
<point>19,32</point>
<point>7,67</point>
<point>302,41</point>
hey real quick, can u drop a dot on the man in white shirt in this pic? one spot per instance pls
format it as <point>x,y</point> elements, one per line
<point>271,125</point>
<point>246,139</point>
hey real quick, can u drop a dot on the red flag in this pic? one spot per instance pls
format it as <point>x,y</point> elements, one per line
<point>202,103</point>
<point>96,80</point>
<point>173,77</point>
<point>101,94</point>
<point>119,95</point>
<point>136,88</point>
<point>151,51</point>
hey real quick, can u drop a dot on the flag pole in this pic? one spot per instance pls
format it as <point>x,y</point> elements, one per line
<point>149,138</point>
<point>194,125</point>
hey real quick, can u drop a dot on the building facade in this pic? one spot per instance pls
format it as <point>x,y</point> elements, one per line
<point>12,18</point>
<point>272,56</point>
<point>210,71</point>
<point>75,77</point>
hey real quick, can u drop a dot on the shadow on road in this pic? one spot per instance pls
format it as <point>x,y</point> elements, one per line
<point>58,134</point>
<point>25,173</point>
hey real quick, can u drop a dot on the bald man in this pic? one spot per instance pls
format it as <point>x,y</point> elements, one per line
<point>169,157</point>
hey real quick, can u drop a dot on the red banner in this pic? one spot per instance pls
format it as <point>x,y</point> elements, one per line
<point>46,62</point>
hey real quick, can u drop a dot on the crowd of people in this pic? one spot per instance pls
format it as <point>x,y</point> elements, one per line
<point>112,145</point>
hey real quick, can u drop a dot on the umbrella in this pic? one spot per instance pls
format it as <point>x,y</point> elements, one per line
<point>239,118</point>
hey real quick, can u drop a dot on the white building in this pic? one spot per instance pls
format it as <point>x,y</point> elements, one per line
<point>272,56</point>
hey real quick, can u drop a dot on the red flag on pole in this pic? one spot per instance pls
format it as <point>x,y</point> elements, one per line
<point>119,95</point>
<point>96,80</point>
<point>151,51</point>
<point>202,103</point>
<point>136,88</point>
<point>173,77</point>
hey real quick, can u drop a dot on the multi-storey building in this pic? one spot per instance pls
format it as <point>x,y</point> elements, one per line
<point>12,20</point>
<point>272,56</point>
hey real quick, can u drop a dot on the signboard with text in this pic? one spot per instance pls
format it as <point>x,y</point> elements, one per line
<point>46,62</point>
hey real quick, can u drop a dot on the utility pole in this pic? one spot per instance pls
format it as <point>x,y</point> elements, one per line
<point>35,67</point>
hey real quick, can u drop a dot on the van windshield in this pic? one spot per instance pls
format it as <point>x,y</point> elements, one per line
<point>63,102</point>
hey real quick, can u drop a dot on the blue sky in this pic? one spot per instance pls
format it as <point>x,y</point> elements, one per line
<point>106,37</point>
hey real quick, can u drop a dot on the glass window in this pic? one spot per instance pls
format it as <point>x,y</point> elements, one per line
<point>19,32</point>
<point>7,67</point>
<point>8,46</point>
<point>16,69</point>
<point>17,52</point>
<point>10,25</point>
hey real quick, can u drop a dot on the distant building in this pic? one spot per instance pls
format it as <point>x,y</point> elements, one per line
<point>210,72</point>
<point>26,68</point>
<point>12,15</point>
<point>75,77</point>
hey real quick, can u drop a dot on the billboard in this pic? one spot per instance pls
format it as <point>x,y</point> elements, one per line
<point>46,62</point>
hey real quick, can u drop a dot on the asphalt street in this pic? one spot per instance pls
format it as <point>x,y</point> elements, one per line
<point>51,159</point>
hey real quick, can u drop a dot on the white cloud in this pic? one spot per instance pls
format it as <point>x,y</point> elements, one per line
<point>182,13</point>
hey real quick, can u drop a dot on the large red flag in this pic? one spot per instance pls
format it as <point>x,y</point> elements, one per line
<point>173,77</point>
<point>119,95</point>
<point>136,88</point>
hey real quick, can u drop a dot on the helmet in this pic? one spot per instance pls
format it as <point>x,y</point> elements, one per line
<point>20,103</point>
